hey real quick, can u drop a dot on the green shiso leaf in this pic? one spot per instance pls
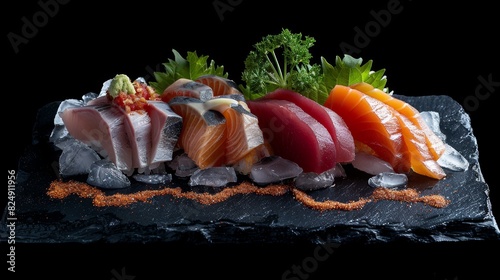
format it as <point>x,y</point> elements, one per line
<point>190,67</point>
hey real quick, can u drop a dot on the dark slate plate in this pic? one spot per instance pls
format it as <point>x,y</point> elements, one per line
<point>251,219</point>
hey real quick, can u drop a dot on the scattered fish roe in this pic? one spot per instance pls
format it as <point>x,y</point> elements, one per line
<point>60,190</point>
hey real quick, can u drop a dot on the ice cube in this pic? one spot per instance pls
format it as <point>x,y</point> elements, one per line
<point>453,160</point>
<point>388,180</point>
<point>76,158</point>
<point>274,169</point>
<point>213,177</point>
<point>183,165</point>
<point>309,181</point>
<point>370,164</point>
<point>88,97</point>
<point>432,119</point>
<point>104,174</point>
<point>59,131</point>
<point>153,178</point>
<point>105,87</point>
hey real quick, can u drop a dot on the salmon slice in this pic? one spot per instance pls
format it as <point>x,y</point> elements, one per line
<point>422,161</point>
<point>435,145</point>
<point>242,128</point>
<point>220,85</point>
<point>372,123</point>
<point>203,133</point>
<point>188,88</point>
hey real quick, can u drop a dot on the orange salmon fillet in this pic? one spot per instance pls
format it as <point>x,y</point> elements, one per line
<point>435,145</point>
<point>372,123</point>
<point>219,85</point>
<point>203,133</point>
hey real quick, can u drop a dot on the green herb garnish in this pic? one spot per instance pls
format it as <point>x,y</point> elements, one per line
<point>350,70</point>
<point>191,67</point>
<point>284,61</point>
<point>281,61</point>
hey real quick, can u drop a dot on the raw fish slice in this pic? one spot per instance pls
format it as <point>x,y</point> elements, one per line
<point>187,88</point>
<point>372,123</point>
<point>103,129</point>
<point>166,127</point>
<point>138,129</point>
<point>219,85</point>
<point>435,145</point>
<point>294,135</point>
<point>422,161</point>
<point>242,128</point>
<point>203,134</point>
<point>342,137</point>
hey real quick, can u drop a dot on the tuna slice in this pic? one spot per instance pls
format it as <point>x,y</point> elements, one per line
<point>188,88</point>
<point>294,134</point>
<point>203,133</point>
<point>166,127</point>
<point>102,127</point>
<point>341,135</point>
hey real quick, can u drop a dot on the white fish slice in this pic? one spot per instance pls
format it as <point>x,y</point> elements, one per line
<point>138,129</point>
<point>102,127</point>
<point>166,127</point>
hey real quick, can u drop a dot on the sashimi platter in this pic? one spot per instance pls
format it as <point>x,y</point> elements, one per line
<point>296,151</point>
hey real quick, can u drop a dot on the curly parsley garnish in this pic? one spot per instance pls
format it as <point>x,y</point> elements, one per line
<point>281,61</point>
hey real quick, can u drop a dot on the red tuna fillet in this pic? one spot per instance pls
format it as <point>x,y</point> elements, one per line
<point>294,134</point>
<point>341,135</point>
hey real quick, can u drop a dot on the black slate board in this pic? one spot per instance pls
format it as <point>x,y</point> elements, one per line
<point>254,219</point>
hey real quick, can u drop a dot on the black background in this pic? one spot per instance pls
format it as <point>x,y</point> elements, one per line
<point>425,49</point>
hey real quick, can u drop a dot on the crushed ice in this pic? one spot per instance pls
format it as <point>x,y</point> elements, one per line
<point>213,177</point>
<point>390,180</point>
<point>104,174</point>
<point>451,159</point>
<point>76,158</point>
<point>433,121</point>
<point>153,178</point>
<point>309,181</point>
<point>183,165</point>
<point>370,164</point>
<point>274,169</point>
